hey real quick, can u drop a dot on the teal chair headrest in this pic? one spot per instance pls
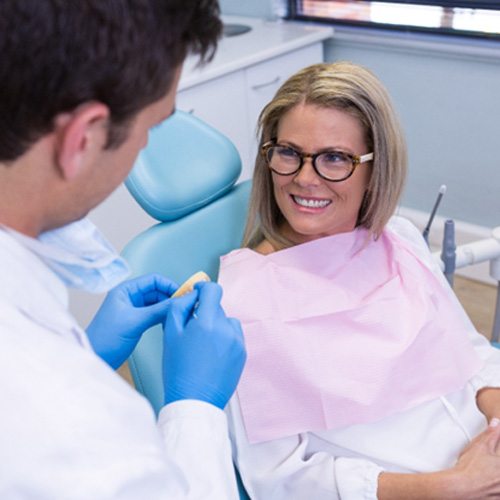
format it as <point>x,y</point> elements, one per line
<point>177,173</point>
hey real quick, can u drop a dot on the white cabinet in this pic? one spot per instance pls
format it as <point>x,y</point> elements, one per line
<point>232,103</point>
<point>264,79</point>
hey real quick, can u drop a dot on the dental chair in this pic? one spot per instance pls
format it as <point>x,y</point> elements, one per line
<point>185,179</point>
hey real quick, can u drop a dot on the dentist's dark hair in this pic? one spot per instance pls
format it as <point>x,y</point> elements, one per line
<point>58,54</point>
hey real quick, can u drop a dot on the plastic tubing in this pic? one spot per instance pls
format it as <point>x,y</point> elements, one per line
<point>476,252</point>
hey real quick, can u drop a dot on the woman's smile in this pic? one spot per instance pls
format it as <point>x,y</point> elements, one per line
<point>316,204</point>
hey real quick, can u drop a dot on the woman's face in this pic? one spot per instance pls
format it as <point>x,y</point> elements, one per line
<point>313,207</point>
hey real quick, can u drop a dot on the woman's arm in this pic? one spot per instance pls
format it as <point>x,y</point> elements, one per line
<point>429,486</point>
<point>287,469</point>
<point>488,402</point>
<point>475,476</point>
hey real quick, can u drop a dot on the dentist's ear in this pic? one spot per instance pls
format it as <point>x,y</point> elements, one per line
<point>79,134</point>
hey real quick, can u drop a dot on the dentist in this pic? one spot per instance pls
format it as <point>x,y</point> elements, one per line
<point>82,83</point>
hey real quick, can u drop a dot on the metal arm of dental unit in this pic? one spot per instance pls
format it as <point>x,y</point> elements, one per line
<point>488,249</point>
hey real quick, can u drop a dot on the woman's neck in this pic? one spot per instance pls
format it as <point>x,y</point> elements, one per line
<point>264,248</point>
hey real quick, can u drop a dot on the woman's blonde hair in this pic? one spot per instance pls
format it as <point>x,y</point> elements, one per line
<point>350,88</point>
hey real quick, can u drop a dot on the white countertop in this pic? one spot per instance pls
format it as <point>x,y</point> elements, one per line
<point>265,40</point>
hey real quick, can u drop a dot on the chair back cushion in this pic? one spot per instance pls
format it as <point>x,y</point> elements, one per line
<point>178,249</point>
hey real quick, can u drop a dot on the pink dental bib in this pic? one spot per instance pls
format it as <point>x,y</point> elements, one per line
<point>342,330</point>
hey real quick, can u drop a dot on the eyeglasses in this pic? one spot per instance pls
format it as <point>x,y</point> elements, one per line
<point>334,166</point>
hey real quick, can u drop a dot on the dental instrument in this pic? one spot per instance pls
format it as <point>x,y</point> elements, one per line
<point>442,191</point>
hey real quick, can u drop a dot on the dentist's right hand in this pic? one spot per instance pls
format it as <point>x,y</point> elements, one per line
<point>204,351</point>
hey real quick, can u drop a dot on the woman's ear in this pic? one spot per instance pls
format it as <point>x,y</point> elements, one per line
<point>80,133</point>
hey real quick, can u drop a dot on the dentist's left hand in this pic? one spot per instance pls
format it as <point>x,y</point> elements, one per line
<point>126,313</point>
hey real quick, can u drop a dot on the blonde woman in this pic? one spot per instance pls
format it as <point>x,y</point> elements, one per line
<point>364,378</point>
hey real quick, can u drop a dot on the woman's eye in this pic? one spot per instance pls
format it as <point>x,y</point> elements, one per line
<point>287,153</point>
<point>334,157</point>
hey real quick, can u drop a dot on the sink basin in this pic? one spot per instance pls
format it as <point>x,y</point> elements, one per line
<point>235,29</point>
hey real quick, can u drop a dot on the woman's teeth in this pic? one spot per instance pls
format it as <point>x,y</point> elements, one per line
<point>309,203</point>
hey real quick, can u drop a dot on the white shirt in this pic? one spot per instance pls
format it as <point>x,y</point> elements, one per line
<point>71,428</point>
<point>345,463</point>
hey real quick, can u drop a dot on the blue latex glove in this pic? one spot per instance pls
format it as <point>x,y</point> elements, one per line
<point>126,313</point>
<point>204,352</point>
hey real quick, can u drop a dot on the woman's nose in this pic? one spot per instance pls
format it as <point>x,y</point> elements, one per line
<point>307,176</point>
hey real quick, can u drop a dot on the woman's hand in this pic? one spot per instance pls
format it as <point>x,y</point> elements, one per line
<point>475,476</point>
<point>477,472</point>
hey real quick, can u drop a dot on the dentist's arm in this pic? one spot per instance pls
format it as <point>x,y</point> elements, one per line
<point>126,313</point>
<point>203,357</point>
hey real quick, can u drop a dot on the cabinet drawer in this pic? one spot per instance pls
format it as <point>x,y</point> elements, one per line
<point>273,72</point>
<point>264,79</point>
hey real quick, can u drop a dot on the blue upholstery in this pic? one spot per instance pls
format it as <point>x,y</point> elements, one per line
<point>179,249</point>
<point>186,165</point>
<point>185,178</point>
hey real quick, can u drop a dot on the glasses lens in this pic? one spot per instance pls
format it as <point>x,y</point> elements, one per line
<point>334,165</point>
<point>282,159</point>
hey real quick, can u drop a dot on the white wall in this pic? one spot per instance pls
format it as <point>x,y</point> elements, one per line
<point>448,100</point>
<point>253,8</point>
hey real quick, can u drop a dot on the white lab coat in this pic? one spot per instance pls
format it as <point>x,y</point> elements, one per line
<point>345,463</point>
<point>71,428</point>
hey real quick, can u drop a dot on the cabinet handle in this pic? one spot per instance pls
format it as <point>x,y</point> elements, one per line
<point>267,84</point>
